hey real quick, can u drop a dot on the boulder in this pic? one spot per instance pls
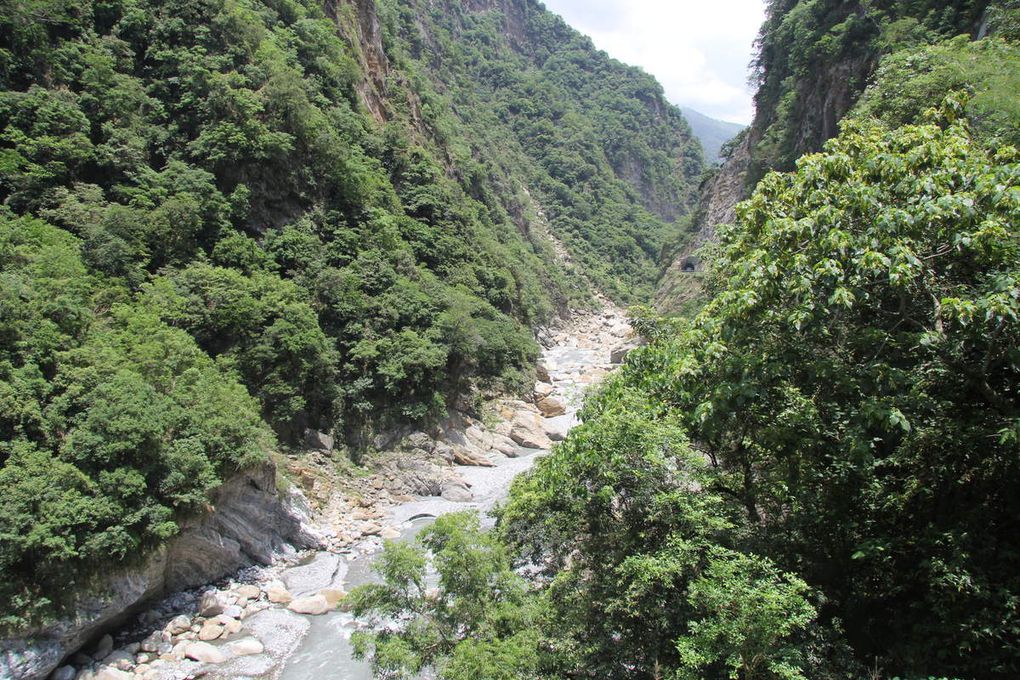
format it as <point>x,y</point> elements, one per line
<point>103,648</point>
<point>245,647</point>
<point>212,604</point>
<point>248,592</point>
<point>620,353</point>
<point>542,372</point>
<point>210,631</point>
<point>110,673</point>
<point>277,594</point>
<point>457,492</point>
<point>152,642</point>
<point>230,624</point>
<point>421,477</point>
<point>389,534</point>
<point>178,625</point>
<point>233,611</point>
<point>543,389</point>
<point>64,673</point>
<point>466,456</point>
<point>320,441</point>
<point>551,407</point>
<point>203,652</point>
<point>326,570</point>
<point>508,447</point>
<point>313,606</point>
<point>333,596</point>
<point>419,440</point>
<point>122,659</point>
<point>527,431</point>
<point>179,650</point>
<point>444,451</point>
<point>557,428</point>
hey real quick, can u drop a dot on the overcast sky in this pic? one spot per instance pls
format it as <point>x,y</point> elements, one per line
<point>698,49</point>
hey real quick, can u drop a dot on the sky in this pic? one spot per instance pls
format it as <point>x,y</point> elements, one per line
<point>698,49</point>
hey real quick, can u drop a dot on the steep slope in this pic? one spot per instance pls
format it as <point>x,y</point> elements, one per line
<point>608,160</point>
<point>711,132</point>
<point>298,215</point>
<point>815,58</point>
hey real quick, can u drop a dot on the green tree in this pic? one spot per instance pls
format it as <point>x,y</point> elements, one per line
<point>746,614</point>
<point>480,621</point>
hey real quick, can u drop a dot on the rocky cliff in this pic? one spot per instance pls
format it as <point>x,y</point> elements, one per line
<point>814,61</point>
<point>249,523</point>
<point>681,282</point>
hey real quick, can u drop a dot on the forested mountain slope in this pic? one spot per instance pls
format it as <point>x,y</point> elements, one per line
<point>227,221</point>
<point>816,473</point>
<point>612,163</point>
<point>711,132</point>
<point>815,59</point>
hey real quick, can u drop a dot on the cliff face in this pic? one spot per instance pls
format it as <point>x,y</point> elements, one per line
<point>681,281</point>
<point>815,59</point>
<point>249,524</point>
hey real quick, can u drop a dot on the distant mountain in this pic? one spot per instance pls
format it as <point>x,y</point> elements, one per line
<point>711,132</point>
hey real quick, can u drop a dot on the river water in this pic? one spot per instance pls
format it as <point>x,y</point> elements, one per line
<point>324,653</point>
<point>292,646</point>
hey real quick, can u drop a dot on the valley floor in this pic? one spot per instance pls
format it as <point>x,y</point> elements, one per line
<point>286,620</point>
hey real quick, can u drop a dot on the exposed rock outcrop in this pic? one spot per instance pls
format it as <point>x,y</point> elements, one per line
<point>249,524</point>
<point>720,195</point>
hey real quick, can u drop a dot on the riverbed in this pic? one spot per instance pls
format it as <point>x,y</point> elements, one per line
<point>288,625</point>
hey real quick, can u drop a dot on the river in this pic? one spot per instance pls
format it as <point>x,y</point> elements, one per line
<point>279,643</point>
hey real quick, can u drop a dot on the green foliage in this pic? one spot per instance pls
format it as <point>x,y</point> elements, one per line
<point>264,327</point>
<point>909,82</point>
<point>113,425</point>
<point>850,499</point>
<point>815,57</point>
<point>480,621</point>
<point>218,213</point>
<point>747,613</point>
<point>853,384</point>
<point>360,253</point>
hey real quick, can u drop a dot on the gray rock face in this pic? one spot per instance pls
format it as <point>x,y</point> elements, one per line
<point>326,570</point>
<point>422,477</point>
<point>319,441</point>
<point>249,524</point>
<point>620,353</point>
<point>457,492</point>
<point>528,431</point>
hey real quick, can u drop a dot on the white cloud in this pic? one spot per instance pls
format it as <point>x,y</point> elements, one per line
<point>699,51</point>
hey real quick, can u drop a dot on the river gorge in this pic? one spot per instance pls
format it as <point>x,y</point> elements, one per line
<point>287,620</point>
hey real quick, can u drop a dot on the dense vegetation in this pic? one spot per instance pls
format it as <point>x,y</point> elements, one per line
<point>714,135</point>
<point>816,56</point>
<point>563,117</point>
<point>111,420</point>
<point>225,220</point>
<point>817,476</point>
